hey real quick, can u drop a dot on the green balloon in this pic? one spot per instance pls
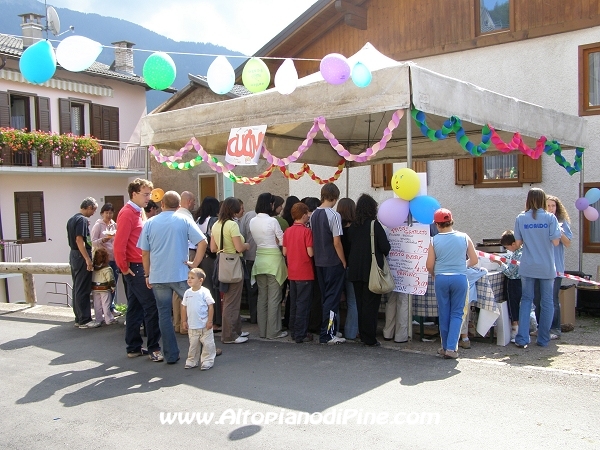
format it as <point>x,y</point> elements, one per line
<point>256,76</point>
<point>159,71</point>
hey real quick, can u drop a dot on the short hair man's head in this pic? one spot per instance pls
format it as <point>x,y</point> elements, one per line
<point>171,200</point>
<point>88,206</point>
<point>137,184</point>
<point>330,193</point>
<point>188,200</point>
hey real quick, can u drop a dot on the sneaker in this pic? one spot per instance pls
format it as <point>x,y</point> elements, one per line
<point>116,313</point>
<point>282,335</point>
<point>134,354</point>
<point>554,337</point>
<point>513,335</point>
<point>307,338</point>
<point>336,340</point>
<point>76,325</point>
<point>521,345</point>
<point>112,322</point>
<point>156,356</point>
<point>239,340</point>
<point>533,333</point>
<point>90,324</point>
<point>244,334</point>
<point>441,351</point>
<point>189,366</point>
<point>338,334</point>
<point>219,352</point>
<point>464,344</point>
<point>450,354</point>
<point>205,367</point>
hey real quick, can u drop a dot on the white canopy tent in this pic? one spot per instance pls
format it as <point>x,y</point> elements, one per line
<point>358,116</point>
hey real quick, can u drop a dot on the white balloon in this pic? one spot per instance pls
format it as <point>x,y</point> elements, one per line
<point>220,76</point>
<point>77,53</point>
<point>286,77</point>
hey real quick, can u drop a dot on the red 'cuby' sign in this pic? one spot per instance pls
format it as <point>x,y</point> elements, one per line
<point>244,144</point>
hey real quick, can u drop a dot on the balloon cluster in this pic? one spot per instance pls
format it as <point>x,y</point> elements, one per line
<point>335,69</point>
<point>75,53</point>
<point>406,185</point>
<point>583,204</point>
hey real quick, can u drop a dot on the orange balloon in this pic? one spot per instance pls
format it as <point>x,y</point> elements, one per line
<point>157,195</point>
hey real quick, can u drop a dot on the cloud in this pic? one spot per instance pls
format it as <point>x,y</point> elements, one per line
<point>241,25</point>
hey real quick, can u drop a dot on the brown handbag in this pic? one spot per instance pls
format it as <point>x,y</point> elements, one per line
<point>230,264</point>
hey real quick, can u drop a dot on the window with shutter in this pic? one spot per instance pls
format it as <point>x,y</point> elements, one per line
<point>29,213</point>
<point>43,114</point>
<point>4,110</point>
<point>510,170</point>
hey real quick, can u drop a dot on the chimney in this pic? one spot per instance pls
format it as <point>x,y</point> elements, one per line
<point>32,29</point>
<point>123,56</point>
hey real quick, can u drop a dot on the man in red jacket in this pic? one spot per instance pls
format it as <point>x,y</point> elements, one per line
<point>141,304</point>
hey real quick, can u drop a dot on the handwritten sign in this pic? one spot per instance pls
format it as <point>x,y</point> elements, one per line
<point>407,258</point>
<point>244,144</point>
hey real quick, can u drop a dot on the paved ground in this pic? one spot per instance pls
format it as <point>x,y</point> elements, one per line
<point>64,387</point>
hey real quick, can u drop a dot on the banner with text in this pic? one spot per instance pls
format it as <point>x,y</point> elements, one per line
<point>244,144</point>
<point>407,258</point>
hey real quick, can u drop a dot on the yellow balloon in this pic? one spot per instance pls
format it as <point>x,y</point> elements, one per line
<point>406,183</point>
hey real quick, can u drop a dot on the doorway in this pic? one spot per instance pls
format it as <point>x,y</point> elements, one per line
<point>118,201</point>
<point>207,186</point>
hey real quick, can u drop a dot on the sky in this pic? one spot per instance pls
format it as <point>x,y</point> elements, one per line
<point>241,25</point>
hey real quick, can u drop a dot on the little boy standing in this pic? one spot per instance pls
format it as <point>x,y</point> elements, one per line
<point>298,248</point>
<point>514,280</point>
<point>197,311</point>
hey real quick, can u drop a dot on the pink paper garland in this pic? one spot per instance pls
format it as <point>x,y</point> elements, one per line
<point>517,144</point>
<point>192,144</point>
<point>320,124</point>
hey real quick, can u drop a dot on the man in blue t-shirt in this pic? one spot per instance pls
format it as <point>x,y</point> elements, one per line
<point>330,263</point>
<point>164,243</point>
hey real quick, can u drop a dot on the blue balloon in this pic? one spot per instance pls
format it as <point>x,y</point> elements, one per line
<point>38,62</point>
<point>593,195</point>
<point>422,208</point>
<point>361,75</point>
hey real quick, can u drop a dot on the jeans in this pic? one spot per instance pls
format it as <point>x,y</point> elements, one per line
<point>163,292</point>
<point>300,298</point>
<point>141,307</point>
<point>82,287</point>
<point>514,290</point>
<point>555,328</point>
<point>331,282</point>
<point>451,294</point>
<point>351,325</point>
<point>546,310</point>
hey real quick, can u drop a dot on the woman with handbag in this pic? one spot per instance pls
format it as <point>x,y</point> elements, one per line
<point>269,268</point>
<point>206,217</point>
<point>447,260</point>
<point>228,242</point>
<point>359,266</point>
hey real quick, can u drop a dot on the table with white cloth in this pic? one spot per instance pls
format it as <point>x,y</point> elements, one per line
<point>490,291</point>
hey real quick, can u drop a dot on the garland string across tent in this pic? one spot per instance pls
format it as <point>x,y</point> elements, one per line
<point>489,135</point>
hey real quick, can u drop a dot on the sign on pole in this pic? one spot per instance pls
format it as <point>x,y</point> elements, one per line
<point>407,258</point>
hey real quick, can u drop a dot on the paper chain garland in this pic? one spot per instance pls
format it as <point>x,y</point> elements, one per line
<point>489,135</point>
<point>320,124</point>
<point>306,169</point>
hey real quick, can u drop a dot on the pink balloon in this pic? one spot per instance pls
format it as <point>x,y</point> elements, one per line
<point>335,68</point>
<point>393,212</point>
<point>590,213</point>
<point>582,203</point>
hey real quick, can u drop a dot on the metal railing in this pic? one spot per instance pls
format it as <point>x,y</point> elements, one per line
<point>67,287</point>
<point>11,250</point>
<point>114,155</point>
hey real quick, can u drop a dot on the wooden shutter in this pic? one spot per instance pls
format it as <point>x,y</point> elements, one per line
<point>64,112</point>
<point>31,222</point>
<point>419,166</point>
<point>96,121</point>
<point>113,121</point>
<point>43,114</point>
<point>464,171</point>
<point>4,110</point>
<point>530,170</point>
<point>377,175</point>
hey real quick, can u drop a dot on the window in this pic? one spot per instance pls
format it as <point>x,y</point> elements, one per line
<point>591,230</point>
<point>509,170</point>
<point>589,79</point>
<point>494,15</point>
<point>381,174</point>
<point>29,214</point>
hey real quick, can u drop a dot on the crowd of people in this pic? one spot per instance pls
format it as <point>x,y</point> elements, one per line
<point>306,252</point>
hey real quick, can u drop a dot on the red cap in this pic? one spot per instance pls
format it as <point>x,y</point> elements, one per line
<point>442,215</point>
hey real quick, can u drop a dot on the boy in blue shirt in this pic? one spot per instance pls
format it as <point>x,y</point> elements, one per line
<point>513,285</point>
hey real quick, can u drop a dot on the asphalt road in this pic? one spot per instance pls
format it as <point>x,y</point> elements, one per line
<point>68,388</point>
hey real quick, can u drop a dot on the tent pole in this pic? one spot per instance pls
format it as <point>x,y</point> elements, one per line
<point>409,165</point>
<point>347,177</point>
<point>581,194</point>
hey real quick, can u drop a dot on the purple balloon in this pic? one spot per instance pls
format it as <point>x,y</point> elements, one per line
<point>591,213</point>
<point>335,68</point>
<point>393,212</point>
<point>582,203</point>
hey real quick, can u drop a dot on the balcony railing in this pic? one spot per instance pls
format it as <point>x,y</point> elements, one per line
<point>11,250</point>
<point>114,155</point>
